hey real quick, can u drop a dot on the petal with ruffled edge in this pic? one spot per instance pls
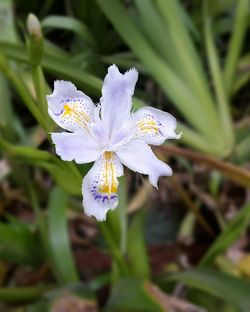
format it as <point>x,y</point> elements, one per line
<point>70,108</point>
<point>100,186</point>
<point>79,146</point>
<point>154,126</point>
<point>138,156</point>
<point>116,101</point>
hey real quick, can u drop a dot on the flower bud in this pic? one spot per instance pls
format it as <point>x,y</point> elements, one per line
<point>34,26</point>
<point>35,40</point>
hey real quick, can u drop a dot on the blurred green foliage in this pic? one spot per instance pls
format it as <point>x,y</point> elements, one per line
<point>197,54</point>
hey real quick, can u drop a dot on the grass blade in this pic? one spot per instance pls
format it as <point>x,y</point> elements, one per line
<point>20,294</point>
<point>170,82</point>
<point>237,226</point>
<point>137,250</point>
<point>18,244</point>
<point>60,254</point>
<point>223,104</point>
<point>221,285</point>
<point>235,45</point>
<point>186,54</point>
<point>69,23</point>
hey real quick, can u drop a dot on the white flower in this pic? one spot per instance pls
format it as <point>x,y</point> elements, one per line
<point>109,135</point>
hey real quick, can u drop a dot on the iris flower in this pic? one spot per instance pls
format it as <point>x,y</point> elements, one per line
<point>109,135</point>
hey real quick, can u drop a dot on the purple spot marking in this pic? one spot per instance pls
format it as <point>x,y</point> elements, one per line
<point>104,198</point>
<point>98,196</point>
<point>113,196</point>
<point>160,132</point>
<point>59,113</point>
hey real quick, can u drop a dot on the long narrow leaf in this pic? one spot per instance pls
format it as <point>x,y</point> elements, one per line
<point>18,244</point>
<point>137,251</point>
<point>237,39</point>
<point>93,84</point>
<point>61,255</point>
<point>185,52</point>
<point>229,235</point>
<point>186,102</point>
<point>223,105</point>
<point>221,285</point>
<point>69,23</point>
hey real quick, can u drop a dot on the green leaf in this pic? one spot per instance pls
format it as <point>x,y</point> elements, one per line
<point>69,23</point>
<point>242,151</point>
<point>237,39</point>
<point>19,244</point>
<point>243,74</point>
<point>135,295</point>
<point>209,303</point>
<point>74,297</point>
<point>221,285</point>
<point>65,174</point>
<point>20,294</point>
<point>7,116</point>
<point>137,250</point>
<point>60,253</point>
<point>8,31</point>
<point>222,101</point>
<point>55,65</point>
<point>184,51</point>
<point>236,227</point>
<point>185,99</point>
<point>66,178</point>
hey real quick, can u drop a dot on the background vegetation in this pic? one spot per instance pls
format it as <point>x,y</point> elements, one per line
<point>182,248</point>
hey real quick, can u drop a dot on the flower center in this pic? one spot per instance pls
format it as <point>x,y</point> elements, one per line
<point>110,182</point>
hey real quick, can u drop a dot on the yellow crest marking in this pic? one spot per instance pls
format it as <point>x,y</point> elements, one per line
<point>110,184</point>
<point>79,117</point>
<point>148,126</point>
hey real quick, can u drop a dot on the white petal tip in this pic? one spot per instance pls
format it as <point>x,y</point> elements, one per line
<point>98,218</point>
<point>113,70</point>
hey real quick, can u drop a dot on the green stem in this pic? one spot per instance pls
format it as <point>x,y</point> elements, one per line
<point>113,248</point>
<point>40,87</point>
<point>26,152</point>
<point>235,45</point>
<point>123,215</point>
<point>21,88</point>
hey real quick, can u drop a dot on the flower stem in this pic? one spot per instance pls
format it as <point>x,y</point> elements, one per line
<point>40,88</point>
<point>114,249</point>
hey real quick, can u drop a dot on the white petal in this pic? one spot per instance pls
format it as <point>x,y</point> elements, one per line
<point>100,186</point>
<point>79,146</point>
<point>154,126</point>
<point>69,108</point>
<point>116,101</point>
<point>138,156</point>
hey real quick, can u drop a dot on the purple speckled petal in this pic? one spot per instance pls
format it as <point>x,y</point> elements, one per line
<point>70,108</point>
<point>97,201</point>
<point>154,126</point>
